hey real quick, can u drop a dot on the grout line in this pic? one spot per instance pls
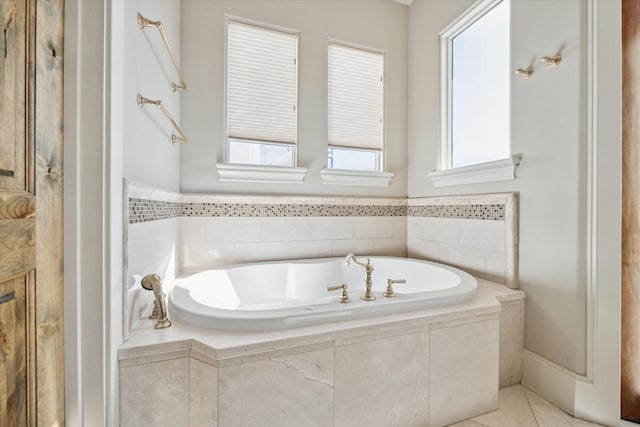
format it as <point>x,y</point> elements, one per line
<point>530,407</point>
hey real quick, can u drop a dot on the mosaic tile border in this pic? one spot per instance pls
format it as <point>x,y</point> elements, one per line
<point>491,212</point>
<point>145,210</point>
<point>289,210</point>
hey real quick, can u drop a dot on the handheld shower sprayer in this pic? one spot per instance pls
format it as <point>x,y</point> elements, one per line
<point>152,282</point>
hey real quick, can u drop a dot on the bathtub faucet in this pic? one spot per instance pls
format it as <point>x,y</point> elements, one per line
<point>368,269</point>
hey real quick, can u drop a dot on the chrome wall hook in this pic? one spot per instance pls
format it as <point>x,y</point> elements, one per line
<point>552,61</point>
<point>525,73</point>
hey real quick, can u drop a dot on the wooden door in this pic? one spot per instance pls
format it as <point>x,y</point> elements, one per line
<point>630,295</point>
<point>31,282</point>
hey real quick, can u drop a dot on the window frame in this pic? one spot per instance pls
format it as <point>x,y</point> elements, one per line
<point>381,167</point>
<point>482,172</point>
<point>225,127</point>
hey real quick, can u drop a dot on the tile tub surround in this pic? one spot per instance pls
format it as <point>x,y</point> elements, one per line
<point>477,233</point>
<point>346,373</point>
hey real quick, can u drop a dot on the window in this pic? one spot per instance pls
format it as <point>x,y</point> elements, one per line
<point>476,91</point>
<point>355,108</point>
<point>262,81</point>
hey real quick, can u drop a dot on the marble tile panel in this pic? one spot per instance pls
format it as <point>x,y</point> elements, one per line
<point>463,369</point>
<point>372,227</point>
<point>383,382</point>
<point>250,356</point>
<point>155,394</point>
<point>292,390</point>
<point>196,257</point>
<point>203,394</point>
<point>331,228</point>
<point>513,410</point>
<point>233,230</point>
<point>511,342</point>
<point>169,354</point>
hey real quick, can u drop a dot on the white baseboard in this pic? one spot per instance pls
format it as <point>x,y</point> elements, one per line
<point>553,382</point>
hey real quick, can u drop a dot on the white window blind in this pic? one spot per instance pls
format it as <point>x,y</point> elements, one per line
<point>355,98</point>
<point>262,75</point>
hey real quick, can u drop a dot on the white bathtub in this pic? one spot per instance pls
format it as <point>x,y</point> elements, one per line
<point>285,294</point>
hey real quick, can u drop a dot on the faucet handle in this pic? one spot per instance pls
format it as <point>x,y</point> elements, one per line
<point>344,297</point>
<point>389,292</point>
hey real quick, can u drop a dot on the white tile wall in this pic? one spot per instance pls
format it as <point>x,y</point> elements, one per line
<point>152,247</point>
<point>219,241</point>
<point>474,245</point>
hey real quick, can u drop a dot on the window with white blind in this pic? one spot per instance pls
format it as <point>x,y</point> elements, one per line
<point>262,83</point>
<point>356,108</point>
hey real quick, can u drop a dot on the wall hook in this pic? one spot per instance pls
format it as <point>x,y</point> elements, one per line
<point>525,73</point>
<point>552,61</point>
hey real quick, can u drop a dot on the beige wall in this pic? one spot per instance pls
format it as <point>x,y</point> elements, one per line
<point>549,130</point>
<point>381,24</point>
<point>144,135</point>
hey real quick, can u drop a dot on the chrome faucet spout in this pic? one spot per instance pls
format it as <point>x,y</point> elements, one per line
<point>351,258</point>
<point>368,269</point>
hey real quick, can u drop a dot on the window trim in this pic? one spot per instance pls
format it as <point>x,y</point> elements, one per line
<point>444,166</point>
<point>356,177</point>
<point>493,171</point>
<point>261,173</point>
<point>383,158</point>
<point>225,137</point>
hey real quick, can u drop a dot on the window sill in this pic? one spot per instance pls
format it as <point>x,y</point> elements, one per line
<point>259,173</point>
<point>498,170</point>
<point>360,178</point>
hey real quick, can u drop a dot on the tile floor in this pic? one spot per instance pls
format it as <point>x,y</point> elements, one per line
<point>520,407</point>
